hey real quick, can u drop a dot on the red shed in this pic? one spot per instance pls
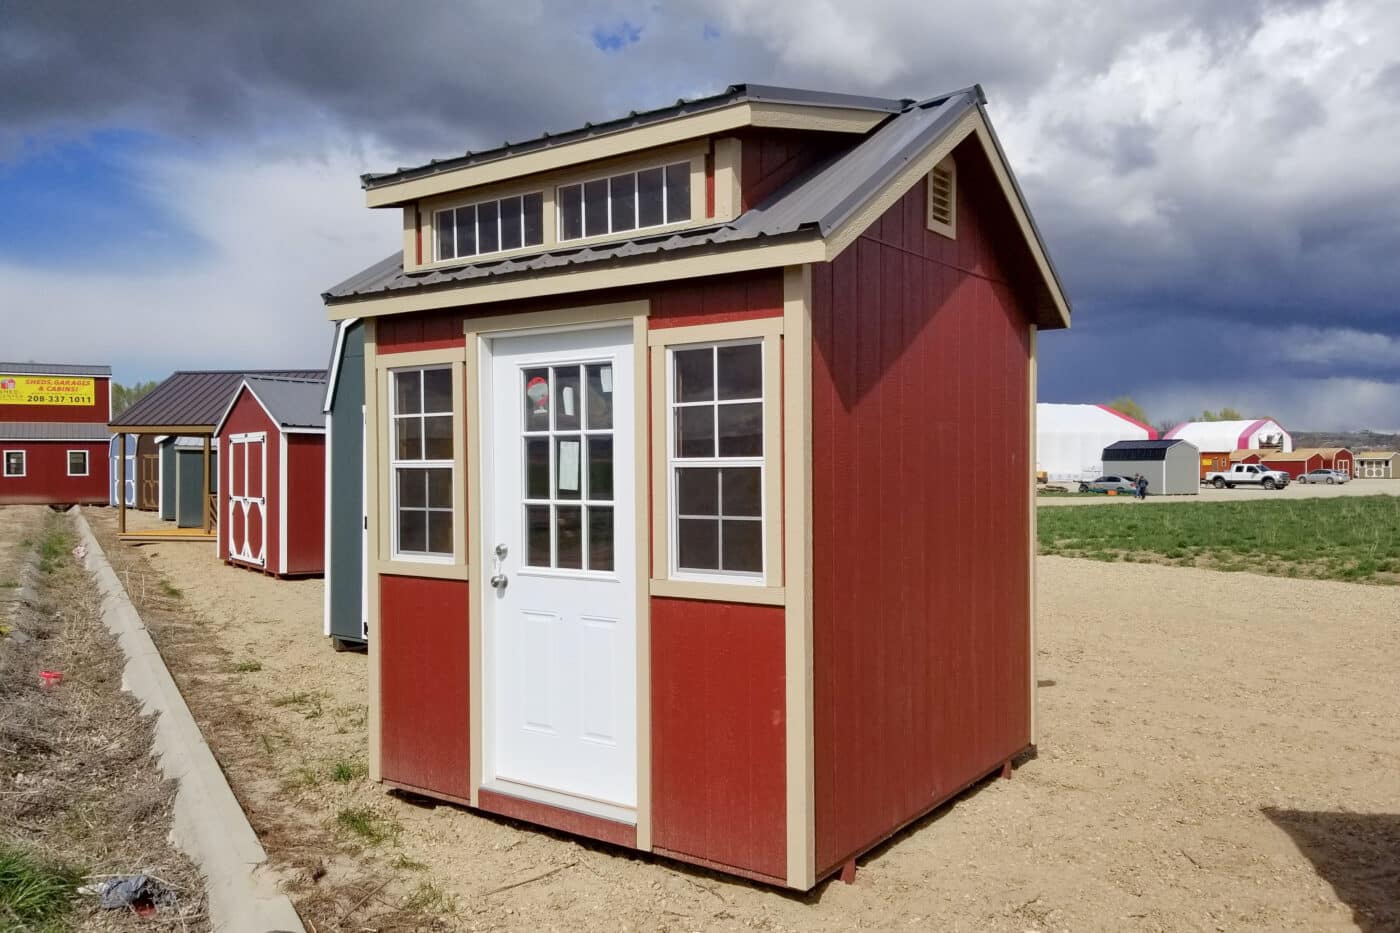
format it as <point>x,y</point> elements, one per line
<point>53,433</point>
<point>1295,463</point>
<point>659,550</point>
<point>272,496</point>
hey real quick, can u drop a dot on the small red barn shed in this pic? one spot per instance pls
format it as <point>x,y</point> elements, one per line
<point>53,433</point>
<point>1295,462</point>
<point>272,496</point>
<point>656,412</point>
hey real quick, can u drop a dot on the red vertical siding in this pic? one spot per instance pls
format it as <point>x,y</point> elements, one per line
<point>306,503</point>
<point>718,299</point>
<point>1293,466</point>
<point>46,480</point>
<point>424,700</point>
<point>921,583</point>
<point>99,412</point>
<point>770,159</point>
<point>718,734</point>
<point>247,417</point>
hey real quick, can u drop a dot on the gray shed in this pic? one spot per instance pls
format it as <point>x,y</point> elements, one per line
<point>1172,467</point>
<point>345,487</point>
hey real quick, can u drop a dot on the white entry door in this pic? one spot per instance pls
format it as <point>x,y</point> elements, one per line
<point>559,544</point>
<point>247,498</point>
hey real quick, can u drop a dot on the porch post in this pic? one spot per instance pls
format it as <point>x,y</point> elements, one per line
<point>121,483</point>
<point>204,494</point>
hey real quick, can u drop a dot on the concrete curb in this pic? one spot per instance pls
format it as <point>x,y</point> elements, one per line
<point>209,825</point>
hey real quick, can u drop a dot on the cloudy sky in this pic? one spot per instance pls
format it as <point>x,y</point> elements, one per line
<point>1219,182</point>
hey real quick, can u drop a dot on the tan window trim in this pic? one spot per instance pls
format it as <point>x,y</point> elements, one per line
<point>383,558</point>
<point>770,590</point>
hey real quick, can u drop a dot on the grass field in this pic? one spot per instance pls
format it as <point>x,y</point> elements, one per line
<point>1354,538</point>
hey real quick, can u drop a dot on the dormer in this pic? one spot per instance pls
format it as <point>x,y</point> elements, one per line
<point>693,164</point>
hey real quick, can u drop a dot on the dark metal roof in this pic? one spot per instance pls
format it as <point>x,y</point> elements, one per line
<point>292,403</point>
<point>53,431</point>
<point>55,369</point>
<point>734,94</point>
<point>810,206</point>
<point>1120,451</point>
<point>197,397</point>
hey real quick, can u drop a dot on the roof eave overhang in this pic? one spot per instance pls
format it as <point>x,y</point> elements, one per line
<point>683,264</point>
<point>736,116</point>
<point>178,430</point>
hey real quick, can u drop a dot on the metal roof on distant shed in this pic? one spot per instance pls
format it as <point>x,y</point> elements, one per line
<point>813,205</point>
<point>292,403</point>
<point>197,398</point>
<point>1120,451</point>
<point>55,369</point>
<point>53,431</point>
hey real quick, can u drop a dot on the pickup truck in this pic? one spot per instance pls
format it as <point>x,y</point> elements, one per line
<point>1247,474</point>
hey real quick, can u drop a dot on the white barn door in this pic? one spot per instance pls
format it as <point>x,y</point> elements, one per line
<point>247,498</point>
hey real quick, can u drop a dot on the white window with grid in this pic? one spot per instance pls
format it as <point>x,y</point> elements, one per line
<point>421,413</point>
<point>715,461</point>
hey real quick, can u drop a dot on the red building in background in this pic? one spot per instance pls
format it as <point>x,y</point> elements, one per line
<point>53,433</point>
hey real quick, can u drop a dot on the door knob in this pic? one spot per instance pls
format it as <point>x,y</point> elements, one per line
<point>499,581</point>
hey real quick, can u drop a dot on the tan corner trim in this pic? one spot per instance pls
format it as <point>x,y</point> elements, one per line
<point>424,569</point>
<point>410,237</point>
<point>797,490</point>
<point>912,173</point>
<point>769,330</point>
<point>820,119</point>
<point>477,596</point>
<point>718,592</point>
<point>622,142</point>
<point>567,281</point>
<point>729,182</point>
<point>641,452</point>
<point>724,330</point>
<point>372,647</point>
<point>385,364</point>
<point>617,311</point>
<point>1034,339</point>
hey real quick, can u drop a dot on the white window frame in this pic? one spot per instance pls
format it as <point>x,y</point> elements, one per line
<point>396,464</point>
<point>87,462</point>
<point>23,464</point>
<point>674,463</point>
<point>476,205</point>
<point>666,220</point>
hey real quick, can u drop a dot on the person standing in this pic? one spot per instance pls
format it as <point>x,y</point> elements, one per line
<point>1141,486</point>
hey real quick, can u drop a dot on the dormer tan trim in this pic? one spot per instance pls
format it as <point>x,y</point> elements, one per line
<point>611,145</point>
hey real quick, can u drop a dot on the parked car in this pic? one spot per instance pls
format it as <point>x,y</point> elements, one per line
<point>1330,477</point>
<point>1119,484</point>
<point>1247,474</point>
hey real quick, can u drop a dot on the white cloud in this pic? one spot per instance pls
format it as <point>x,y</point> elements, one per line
<point>1325,404</point>
<point>276,232</point>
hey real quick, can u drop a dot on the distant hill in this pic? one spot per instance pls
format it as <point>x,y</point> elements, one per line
<point>1352,440</point>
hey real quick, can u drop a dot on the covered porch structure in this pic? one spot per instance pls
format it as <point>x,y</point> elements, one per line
<point>188,404</point>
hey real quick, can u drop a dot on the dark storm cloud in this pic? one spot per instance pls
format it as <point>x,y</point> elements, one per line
<point>433,77</point>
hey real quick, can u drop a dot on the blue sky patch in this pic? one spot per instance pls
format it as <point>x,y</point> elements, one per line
<point>86,201</point>
<point>711,31</point>
<point>616,38</point>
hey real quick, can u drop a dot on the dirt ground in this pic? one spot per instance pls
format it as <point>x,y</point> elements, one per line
<point>1217,752</point>
<point>78,785</point>
<point>1295,490</point>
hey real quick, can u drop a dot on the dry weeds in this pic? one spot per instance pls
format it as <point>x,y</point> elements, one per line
<point>78,785</point>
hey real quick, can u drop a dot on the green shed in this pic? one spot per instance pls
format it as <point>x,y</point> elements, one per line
<point>345,621</point>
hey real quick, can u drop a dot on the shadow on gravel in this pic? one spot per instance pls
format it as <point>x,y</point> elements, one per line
<point>1357,853</point>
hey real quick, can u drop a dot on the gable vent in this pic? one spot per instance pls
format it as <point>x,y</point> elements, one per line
<point>943,198</point>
